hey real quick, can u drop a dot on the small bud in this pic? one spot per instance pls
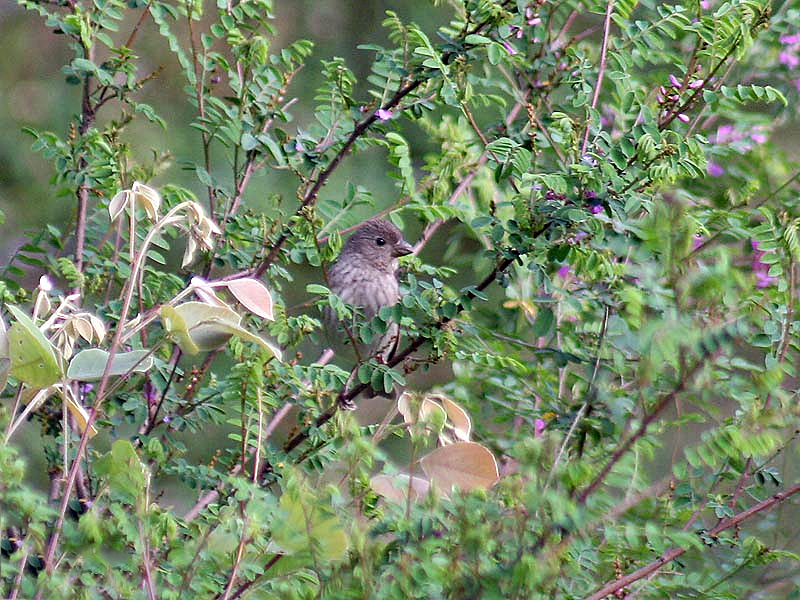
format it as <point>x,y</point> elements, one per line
<point>45,284</point>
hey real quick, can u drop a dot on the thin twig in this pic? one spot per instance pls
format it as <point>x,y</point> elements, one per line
<point>313,192</point>
<point>346,395</point>
<point>648,420</point>
<point>601,71</point>
<point>673,553</point>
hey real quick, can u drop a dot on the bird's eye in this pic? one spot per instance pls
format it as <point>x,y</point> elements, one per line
<point>380,241</point>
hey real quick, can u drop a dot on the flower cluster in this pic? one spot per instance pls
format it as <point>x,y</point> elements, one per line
<point>741,140</point>
<point>760,268</point>
<point>790,55</point>
<point>669,97</point>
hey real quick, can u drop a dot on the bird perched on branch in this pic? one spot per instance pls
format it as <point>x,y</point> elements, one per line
<point>365,276</point>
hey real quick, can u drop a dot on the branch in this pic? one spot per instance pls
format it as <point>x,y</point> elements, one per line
<point>584,494</point>
<point>601,71</point>
<point>347,395</point>
<point>313,192</point>
<point>673,553</point>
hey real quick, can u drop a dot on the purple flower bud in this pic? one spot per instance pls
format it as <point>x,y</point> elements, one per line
<point>563,271</point>
<point>683,117</point>
<point>697,241</point>
<point>509,48</point>
<point>790,39</point>
<point>534,21</point>
<point>597,209</point>
<point>676,83</point>
<point>539,427</point>
<point>383,114</point>
<point>696,83</point>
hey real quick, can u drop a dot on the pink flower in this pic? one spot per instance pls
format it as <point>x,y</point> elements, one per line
<point>563,271</point>
<point>383,114</point>
<point>597,209</point>
<point>764,280</point>
<point>539,427</point>
<point>725,134</point>
<point>714,169</point>
<point>760,268</point>
<point>697,241</point>
<point>790,59</point>
<point>509,48</point>
<point>790,39</point>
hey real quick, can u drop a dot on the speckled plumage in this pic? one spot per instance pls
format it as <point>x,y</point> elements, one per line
<point>365,275</point>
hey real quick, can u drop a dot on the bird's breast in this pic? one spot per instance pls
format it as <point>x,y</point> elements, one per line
<point>365,287</point>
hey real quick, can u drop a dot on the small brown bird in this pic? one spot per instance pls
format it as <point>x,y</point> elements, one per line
<point>365,275</point>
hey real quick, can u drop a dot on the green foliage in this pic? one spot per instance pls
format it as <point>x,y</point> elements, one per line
<point>613,289</point>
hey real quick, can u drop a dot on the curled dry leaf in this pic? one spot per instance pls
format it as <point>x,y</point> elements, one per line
<point>82,326</point>
<point>188,254</point>
<point>465,465</point>
<point>253,295</point>
<point>118,204</point>
<point>147,198</point>
<point>41,306</point>
<point>396,488</point>
<point>207,294</point>
<point>458,417</point>
<point>405,409</point>
<point>98,326</point>
<point>432,414</point>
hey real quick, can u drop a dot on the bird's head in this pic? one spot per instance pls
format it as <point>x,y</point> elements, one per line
<point>379,243</point>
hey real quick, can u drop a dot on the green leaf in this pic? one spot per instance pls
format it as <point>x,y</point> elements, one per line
<point>123,470</point>
<point>89,365</point>
<point>33,357</point>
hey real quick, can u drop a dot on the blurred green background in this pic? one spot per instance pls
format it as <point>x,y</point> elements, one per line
<point>33,93</point>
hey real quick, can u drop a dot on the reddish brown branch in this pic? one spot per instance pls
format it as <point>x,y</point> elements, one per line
<point>347,395</point>
<point>673,553</point>
<point>648,420</point>
<point>313,192</point>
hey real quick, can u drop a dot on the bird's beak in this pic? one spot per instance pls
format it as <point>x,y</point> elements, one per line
<point>403,248</point>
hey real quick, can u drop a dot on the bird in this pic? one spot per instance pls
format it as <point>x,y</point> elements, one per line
<point>365,275</point>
